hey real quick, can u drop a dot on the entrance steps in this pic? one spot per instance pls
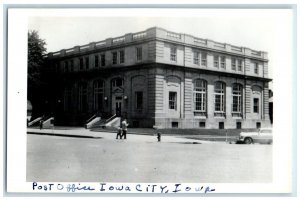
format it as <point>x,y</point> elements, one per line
<point>99,122</point>
<point>35,122</point>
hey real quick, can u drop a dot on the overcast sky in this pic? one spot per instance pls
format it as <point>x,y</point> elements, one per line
<point>256,29</point>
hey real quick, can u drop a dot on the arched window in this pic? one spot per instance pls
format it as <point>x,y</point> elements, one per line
<point>200,94</point>
<point>98,94</point>
<point>82,97</point>
<point>237,97</point>
<point>220,89</point>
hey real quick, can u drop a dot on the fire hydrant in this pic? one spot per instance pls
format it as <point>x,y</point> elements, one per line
<point>158,136</point>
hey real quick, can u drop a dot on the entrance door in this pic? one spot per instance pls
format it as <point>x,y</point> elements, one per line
<point>118,105</point>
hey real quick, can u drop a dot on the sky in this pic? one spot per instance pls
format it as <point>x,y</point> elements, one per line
<point>258,29</point>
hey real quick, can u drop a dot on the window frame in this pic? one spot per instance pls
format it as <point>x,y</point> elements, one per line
<point>196,57</point>
<point>139,53</point>
<point>216,61</point>
<point>98,90</point>
<point>172,100</point>
<point>114,57</point>
<point>121,56</point>
<point>240,65</point>
<point>220,98</point>
<point>256,68</point>
<point>96,61</point>
<point>102,58</point>
<point>200,92</point>
<point>256,105</point>
<point>203,59</point>
<point>237,98</point>
<point>233,64</point>
<point>223,62</point>
<point>173,53</point>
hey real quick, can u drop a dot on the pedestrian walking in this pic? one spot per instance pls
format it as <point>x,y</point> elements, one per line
<point>158,136</point>
<point>41,124</point>
<point>124,128</point>
<point>119,133</point>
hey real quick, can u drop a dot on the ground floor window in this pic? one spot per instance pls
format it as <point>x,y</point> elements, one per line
<point>238,125</point>
<point>219,99</point>
<point>258,125</point>
<point>237,91</point>
<point>200,95</point>
<point>98,95</point>
<point>202,124</point>
<point>174,124</point>
<point>256,105</point>
<point>221,125</point>
<point>139,100</point>
<point>172,100</point>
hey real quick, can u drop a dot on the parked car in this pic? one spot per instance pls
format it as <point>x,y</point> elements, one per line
<point>263,135</point>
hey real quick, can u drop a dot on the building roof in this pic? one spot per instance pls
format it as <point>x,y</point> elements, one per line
<point>161,34</point>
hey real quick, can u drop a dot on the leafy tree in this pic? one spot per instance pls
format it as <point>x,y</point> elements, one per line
<point>36,50</point>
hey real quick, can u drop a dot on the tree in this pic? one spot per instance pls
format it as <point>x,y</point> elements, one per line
<point>36,50</point>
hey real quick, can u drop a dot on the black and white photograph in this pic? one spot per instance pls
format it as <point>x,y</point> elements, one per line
<point>132,99</point>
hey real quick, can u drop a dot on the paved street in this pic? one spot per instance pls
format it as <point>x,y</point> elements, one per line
<point>143,159</point>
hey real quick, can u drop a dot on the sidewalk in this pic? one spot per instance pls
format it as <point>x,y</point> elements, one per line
<point>86,133</point>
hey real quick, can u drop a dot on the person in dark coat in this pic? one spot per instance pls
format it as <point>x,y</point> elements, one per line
<point>158,136</point>
<point>119,133</point>
<point>41,124</point>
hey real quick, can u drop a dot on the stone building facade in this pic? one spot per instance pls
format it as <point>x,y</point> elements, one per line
<point>165,79</point>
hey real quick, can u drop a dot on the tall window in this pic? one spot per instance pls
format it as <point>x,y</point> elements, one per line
<point>196,57</point>
<point>102,59</point>
<point>139,53</point>
<point>256,68</point>
<point>98,94</point>
<point>256,105</point>
<point>220,98</point>
<point>139,100</point>
<point>203,59</point>
<point>87,62</point>
<point>81,63</point>
<point>239,65</point>
<point>216,61</point>
<point>223,62</point>
<point>173,54</point>
<point>200,95</point>
<point>96,59</point>
<point>237,91</point>
<point>114,57</point>
<point>122,56</point>
<point>233,64</point>
<point>172,100</point>
<point>82,97</point>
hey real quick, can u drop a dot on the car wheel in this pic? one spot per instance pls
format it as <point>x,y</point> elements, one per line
<point>248,140</point>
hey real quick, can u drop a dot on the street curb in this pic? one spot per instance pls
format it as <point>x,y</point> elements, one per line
<point>64,135</point>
